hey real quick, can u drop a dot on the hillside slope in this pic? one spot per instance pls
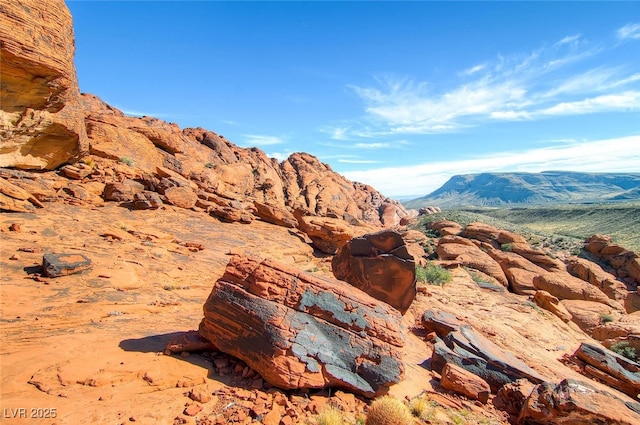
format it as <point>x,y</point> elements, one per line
<point>495,189</point>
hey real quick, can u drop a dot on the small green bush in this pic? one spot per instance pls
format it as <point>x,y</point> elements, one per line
<point>477,277</point>
<point>606,318</point>
<point>126,160</point>
<point>208,165</point>
<point>388,410</point>
<point>433,274</point>
<point>506,247</point>
<point>624,350</point>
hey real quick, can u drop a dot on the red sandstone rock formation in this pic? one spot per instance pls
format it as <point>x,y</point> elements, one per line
<point>486,233</point>
<point>301,331</point>
<point>615,370</point>
<point>566,287</point>
<point>595,275</point>
<point>380,265</point>
<point>459,380</point>
<point>577,403</point>
<point>470,350</point>
<point>446,227</point>
<point>624,332</point>
<point>41,116</point>
<point>465,252</point>
<point>550,303</point>
<point>625,263</point>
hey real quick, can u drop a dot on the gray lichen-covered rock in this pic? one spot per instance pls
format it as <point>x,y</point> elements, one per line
<point>301,331</point>
<point>380,265</point>
<point>617,371</point>
<point>463,346</point>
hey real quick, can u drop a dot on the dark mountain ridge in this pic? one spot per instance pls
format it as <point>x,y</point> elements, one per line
<point>497,189</point>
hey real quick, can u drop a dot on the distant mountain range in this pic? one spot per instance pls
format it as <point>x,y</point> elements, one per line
<point>504,189</point>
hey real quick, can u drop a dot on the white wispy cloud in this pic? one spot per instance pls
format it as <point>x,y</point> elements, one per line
<point>570,39</point>
<point>370,146</point>
<point>377,145</point>
<point>629,100</point>
<point>357,161</point>
<point>537,85</point>
<point>338,133</point>
<point>139,114</point>
<point>250,140</point>
<point>629,32</point>
<point>608,155</point>
<point>280,156</point>
<point>474,69</point>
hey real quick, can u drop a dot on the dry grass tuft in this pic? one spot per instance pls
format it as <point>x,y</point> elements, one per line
<point>330,416</point>
<point>388,410</point>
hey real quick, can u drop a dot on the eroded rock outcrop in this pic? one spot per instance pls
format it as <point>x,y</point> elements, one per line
<point>486,233</point>
<point>615,370</point>
<point>550,303</point>
<point>519,271</point>
<point>314,187</point>
<point>461,381</point>
<point>626,263</point>
<point>46,123</point>
<point>327,234</point>
<point>589,314</point>
<point>463,346</point>
<point>622,333</point>
<point>301,331</point>
<point>41,119</point>
<point>595,275</point>
<point>445,227</point>
<point>16,199</point>
<point>465,252</point>
<point>380,265</point>
<point>576,403</point>
<point>220,173</point>
<point>566,287</point>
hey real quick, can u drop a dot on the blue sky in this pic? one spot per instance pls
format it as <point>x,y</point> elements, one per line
<point>399,95</point>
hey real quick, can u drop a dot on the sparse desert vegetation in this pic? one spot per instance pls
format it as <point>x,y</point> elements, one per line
<point>558,227</point>
<point>433,274</point>
<point>563,224</point>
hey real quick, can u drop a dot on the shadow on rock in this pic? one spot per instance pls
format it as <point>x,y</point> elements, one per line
<point>33,269</point>
<point>149,344</point>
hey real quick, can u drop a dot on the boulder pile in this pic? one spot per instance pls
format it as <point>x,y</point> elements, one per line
<point>576,290</point>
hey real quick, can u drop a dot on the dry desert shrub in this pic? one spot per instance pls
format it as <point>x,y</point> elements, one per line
<point>388,410</point>
<point>330,416</point>
<point>420,407</point>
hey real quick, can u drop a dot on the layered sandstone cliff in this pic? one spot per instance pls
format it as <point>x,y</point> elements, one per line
<point>41,120</point>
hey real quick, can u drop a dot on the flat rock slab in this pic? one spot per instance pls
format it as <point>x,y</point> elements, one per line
<point>574,402</point>
<point>380,265</point>
<point>473,352</point>
<point>440,322</point>
<point>55,265</point>
<point>459,380</point>
<point>302,331</point>
<point>624,373</point>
